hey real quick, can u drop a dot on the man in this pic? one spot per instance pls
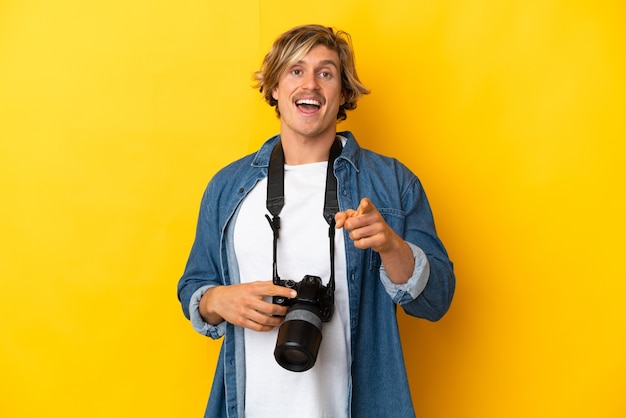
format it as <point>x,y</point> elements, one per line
<point>386,251</point>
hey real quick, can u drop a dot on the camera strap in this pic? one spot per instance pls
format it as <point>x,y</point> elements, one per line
<point>276,201</point>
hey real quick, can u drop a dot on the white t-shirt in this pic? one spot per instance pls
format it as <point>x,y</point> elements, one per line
<point>303,248</point>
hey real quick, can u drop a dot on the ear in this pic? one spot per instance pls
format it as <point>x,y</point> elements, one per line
<point>275,93</point>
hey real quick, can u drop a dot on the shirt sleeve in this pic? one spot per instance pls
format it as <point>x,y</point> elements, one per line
<point>204,328</point>
<point>406,292</point>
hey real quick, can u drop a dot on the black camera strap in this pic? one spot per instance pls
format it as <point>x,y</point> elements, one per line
<point>276,201</point>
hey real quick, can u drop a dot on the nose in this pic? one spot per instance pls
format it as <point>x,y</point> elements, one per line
<point>310,81</point>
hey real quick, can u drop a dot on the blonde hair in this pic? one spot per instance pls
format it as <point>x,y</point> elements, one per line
<point>294,44</point>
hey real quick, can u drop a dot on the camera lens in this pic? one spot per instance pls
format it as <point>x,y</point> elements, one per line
<point>299,339</point>
<point>295,357</point>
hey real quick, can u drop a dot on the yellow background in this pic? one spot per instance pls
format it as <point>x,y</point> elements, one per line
<point>114,115</point>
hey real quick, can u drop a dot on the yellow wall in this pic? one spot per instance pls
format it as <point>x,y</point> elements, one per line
<point>114,115</point>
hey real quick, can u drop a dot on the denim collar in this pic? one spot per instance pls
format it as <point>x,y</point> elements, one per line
<point>350,153</point>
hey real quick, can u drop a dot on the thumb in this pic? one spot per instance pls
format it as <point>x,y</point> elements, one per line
<point>340,218</point>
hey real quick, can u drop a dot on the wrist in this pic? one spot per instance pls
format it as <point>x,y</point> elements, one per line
<point>206,307</point>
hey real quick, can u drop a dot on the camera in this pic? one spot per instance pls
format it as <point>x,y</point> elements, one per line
<point>300,335</point>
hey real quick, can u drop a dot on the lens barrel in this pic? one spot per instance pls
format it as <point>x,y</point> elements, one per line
<point>299,338</point>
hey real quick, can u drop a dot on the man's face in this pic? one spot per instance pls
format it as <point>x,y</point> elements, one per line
<point>309,94</point>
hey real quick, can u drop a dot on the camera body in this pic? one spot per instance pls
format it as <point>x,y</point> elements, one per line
<point>300,335</point>
<point>311,292</point>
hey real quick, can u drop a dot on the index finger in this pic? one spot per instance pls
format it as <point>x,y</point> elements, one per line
<point>366,206</point>
<point>276,290</point>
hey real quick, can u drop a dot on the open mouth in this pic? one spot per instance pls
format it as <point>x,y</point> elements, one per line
<point>308,105</point>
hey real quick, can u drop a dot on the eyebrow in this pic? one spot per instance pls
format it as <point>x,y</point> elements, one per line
<point>322,63</point>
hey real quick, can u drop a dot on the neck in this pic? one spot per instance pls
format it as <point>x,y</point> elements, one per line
<point>305,150</point>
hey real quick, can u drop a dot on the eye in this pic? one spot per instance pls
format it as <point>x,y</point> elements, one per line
<point>296,71</point>
<point>325,74</point>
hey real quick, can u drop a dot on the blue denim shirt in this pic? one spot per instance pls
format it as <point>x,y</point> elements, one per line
<point>379,382</point>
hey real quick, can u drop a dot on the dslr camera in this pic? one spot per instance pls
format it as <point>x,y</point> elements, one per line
<point>300,335</point>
